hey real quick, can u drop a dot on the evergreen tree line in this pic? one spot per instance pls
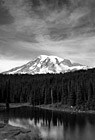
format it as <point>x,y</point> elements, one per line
<point>72,89</point>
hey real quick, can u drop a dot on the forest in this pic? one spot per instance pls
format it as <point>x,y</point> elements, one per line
<point>72,89</point>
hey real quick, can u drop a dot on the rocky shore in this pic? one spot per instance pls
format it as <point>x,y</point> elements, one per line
<point>8,132</point>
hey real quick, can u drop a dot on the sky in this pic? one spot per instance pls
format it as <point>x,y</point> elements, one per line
<point>29,28</point>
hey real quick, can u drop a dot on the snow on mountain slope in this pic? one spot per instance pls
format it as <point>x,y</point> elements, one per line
<point>46,64</point>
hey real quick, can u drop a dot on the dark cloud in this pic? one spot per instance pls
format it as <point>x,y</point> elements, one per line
<point>57,18</point>
<point>5,17</point>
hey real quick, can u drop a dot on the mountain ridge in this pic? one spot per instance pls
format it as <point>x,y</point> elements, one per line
<point>46,64</point>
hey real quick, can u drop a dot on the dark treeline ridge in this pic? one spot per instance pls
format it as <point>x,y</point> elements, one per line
<point>72,89</point>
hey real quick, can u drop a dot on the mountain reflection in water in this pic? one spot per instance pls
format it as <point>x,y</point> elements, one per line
<point>57,125</point>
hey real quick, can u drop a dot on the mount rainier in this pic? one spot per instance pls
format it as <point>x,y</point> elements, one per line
<point>47,64</point>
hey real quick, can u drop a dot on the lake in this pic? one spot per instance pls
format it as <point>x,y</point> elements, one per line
<point>52,124</point>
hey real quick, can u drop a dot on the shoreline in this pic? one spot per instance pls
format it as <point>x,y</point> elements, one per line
<point>13,105</point>
<point>66,110</point>
<point>54,107</point>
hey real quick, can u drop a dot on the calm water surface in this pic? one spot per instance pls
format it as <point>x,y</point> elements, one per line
<point>57,125</point>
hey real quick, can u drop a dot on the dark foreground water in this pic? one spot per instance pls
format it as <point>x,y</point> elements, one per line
<point>57,125</point>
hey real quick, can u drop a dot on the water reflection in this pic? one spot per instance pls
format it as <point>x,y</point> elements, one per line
<point>61,126</point>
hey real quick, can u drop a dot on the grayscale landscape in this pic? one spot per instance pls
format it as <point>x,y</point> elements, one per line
<point>47,69</point>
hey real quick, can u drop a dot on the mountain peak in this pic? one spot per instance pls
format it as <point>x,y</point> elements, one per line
<point>51,58</point>
<point>43,56</point>
<point>47,64</point>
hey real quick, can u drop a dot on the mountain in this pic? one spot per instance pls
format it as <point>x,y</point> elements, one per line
<point>46,64</point>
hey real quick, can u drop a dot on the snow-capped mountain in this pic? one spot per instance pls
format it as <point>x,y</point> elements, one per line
<point>46,64</point>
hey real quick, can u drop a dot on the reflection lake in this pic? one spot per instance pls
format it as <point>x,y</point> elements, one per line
<point>52,124</point>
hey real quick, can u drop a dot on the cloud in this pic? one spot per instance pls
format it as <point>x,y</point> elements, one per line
<point>63,28</point>
<point>38,19</point>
